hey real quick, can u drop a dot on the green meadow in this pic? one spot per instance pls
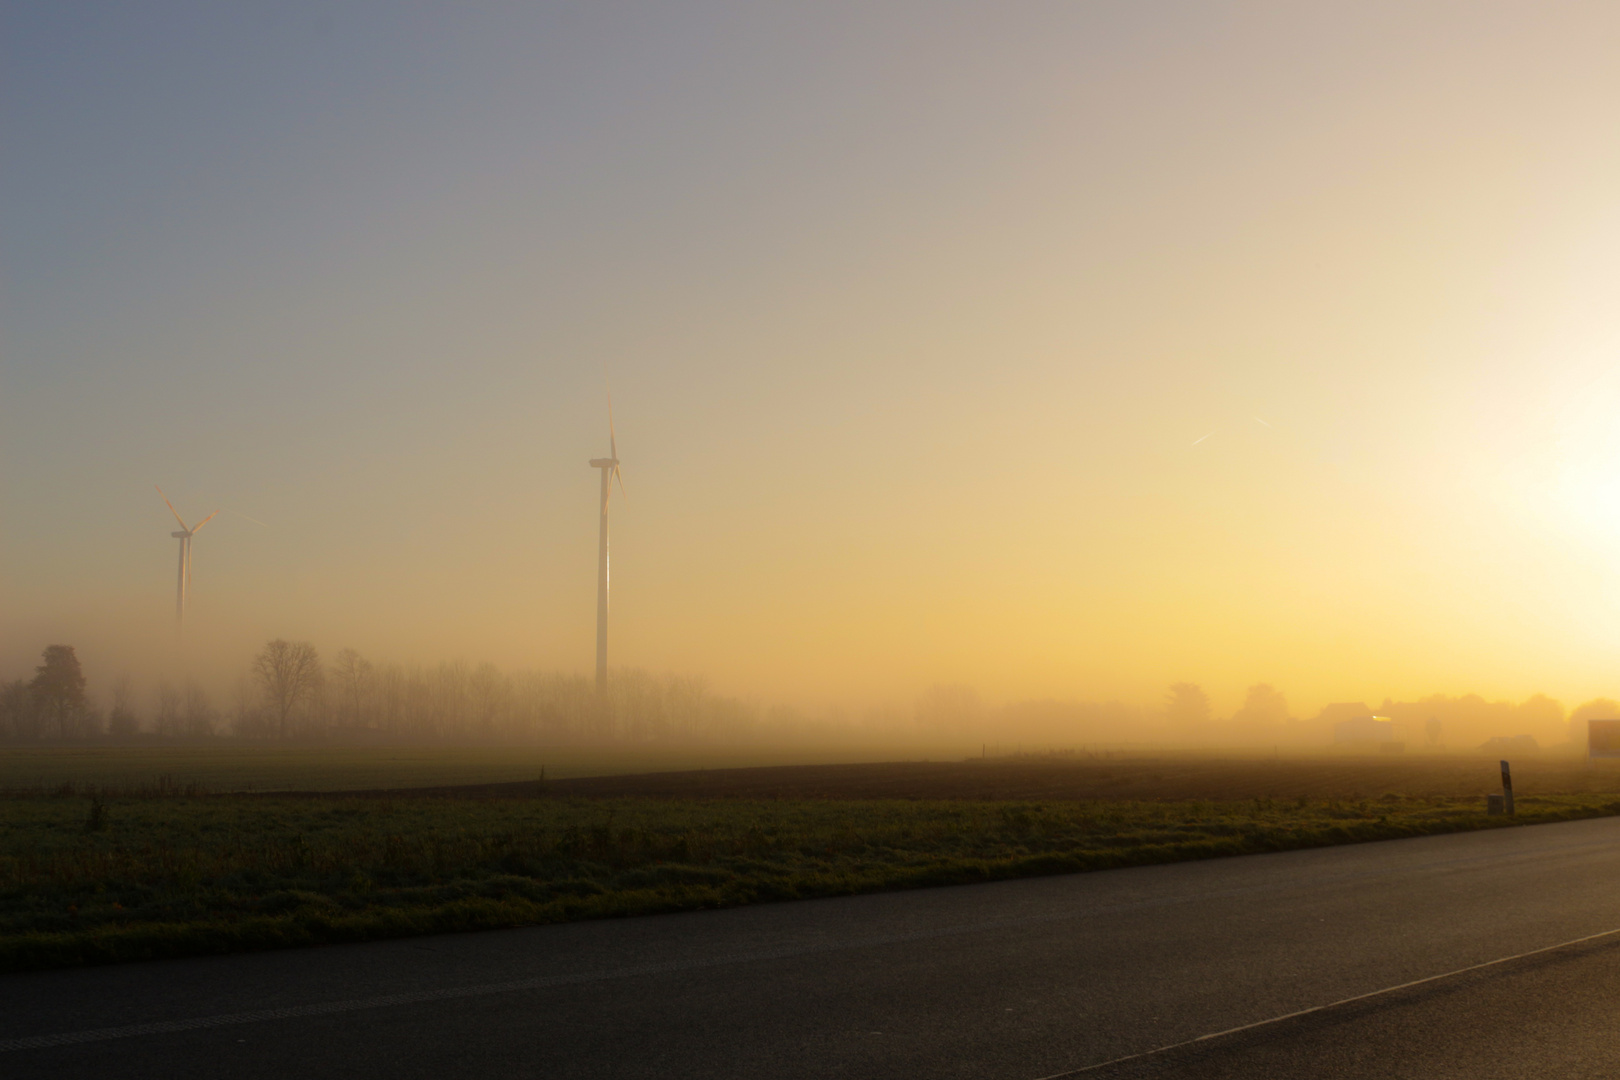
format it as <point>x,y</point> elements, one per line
<point>125,877</point>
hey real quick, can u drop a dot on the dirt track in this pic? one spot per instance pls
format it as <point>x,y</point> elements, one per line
<point>1132,778</point>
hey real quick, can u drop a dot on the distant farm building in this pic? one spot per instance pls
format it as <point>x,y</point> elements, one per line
<point>1341,710</point>
<point>1367,732</point>
<point>1603,738</point>
<point>1508,745</point>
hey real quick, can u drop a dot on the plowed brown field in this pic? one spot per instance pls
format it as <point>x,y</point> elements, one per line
<point>1174,778</point>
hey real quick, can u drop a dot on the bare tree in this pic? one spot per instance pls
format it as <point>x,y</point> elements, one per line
<point>166,716</point>
<point>354,676</point>
<point>246,717</point>
<point>448,686</point>
<point>490,691</point>
<point>391,697</point>
<point>19,719</point>
<point>289,673</point>
<point>123,720</point>
<point>949,709</point>
<point>199,716</point>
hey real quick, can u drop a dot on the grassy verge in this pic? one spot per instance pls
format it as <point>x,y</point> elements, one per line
<point>124,878</point>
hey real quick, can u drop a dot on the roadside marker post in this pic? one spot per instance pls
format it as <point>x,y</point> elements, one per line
<point>1507,790</point>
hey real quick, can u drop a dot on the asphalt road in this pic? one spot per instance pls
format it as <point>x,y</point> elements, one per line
<point>1020,980</point>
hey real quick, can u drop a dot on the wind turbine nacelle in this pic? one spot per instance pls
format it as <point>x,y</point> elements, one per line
<point>179,535</point>
<point>604,462</point>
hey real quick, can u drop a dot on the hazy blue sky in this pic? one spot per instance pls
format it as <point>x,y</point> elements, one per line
<point>913,314</point>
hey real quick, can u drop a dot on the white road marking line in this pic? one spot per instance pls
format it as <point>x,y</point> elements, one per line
<point>326,1008</point>
<point>1329,1005</point>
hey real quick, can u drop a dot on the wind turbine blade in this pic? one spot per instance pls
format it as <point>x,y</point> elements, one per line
<point>613,439</point>
<point>205,521</point>
<point>172,510</point>
<point>620,476</point>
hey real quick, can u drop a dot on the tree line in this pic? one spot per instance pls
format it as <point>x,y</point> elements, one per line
<point>291,692</point>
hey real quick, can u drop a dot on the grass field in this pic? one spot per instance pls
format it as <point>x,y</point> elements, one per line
<point>91,880</point>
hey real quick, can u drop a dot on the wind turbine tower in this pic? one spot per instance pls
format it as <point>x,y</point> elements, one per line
<point>184,536</point>
<point>609,467</point>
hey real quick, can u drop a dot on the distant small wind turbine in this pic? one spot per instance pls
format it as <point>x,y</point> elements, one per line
<point>610,469</point>
<point>188,531</point>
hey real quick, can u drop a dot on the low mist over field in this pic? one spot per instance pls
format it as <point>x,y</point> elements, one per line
<point>1064,375</point>
<point>289,692</point>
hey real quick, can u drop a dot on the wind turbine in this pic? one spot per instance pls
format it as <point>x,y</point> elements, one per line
<point>610,469</point>
<point>184,536</point>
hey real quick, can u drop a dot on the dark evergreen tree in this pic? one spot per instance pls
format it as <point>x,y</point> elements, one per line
<point>58,691</point>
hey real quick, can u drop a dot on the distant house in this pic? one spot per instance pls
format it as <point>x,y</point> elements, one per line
<point>1366,730</point>
<point>1508,745</point>
<point>1341,710</point>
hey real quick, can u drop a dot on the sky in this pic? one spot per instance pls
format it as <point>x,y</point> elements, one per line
<point>1059,349</point>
